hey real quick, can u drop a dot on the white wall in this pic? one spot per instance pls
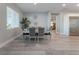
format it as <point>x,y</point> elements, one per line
<point>41,19</point>
<point>58,23</point>
<point>66,25</point>
<point>62,24</point>
<point>5,34</point>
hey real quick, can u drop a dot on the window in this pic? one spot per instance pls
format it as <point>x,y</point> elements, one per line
<point>12,18</point>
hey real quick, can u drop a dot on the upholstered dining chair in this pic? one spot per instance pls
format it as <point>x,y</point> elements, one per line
<point>32,33</point>
<point>40,33</point>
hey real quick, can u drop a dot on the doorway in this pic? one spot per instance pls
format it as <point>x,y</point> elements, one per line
<point>74,25</point>
<point>53,22</point>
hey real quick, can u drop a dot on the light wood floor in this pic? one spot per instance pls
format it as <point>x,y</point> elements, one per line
<point>57,45</point>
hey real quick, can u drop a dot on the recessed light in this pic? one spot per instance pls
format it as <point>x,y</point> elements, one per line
<point>63,5</point>
<point>35,3</point>
<point>78,5</point>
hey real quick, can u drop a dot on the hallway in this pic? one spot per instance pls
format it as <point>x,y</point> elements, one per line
<point>57,45</point>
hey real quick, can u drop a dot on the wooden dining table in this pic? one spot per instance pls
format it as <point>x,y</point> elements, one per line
<point>45,33</point>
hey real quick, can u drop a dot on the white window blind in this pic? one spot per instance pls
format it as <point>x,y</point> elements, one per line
<point>12,18</point>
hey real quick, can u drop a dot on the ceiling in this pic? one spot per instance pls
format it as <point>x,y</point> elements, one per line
<point>46,7</point>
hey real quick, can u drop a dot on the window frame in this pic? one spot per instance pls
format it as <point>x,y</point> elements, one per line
<point>15,15</point>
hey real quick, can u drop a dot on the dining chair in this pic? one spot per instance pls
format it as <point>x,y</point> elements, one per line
<point>32,33</point>
<point>40,33</point>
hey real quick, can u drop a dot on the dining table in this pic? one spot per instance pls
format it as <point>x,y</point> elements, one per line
<point>46,33</point>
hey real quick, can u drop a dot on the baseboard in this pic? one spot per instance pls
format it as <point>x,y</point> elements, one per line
<point>2,45</point>
<point>62,34</point>
<point>58,32</point>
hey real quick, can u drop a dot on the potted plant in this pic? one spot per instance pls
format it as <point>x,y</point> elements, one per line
<point>25,23</point>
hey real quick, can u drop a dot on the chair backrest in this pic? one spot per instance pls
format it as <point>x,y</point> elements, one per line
<point>40,31</point>
<point>32,31</point>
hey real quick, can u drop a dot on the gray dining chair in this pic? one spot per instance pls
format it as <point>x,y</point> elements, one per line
<point>32,33</point>
<point>40,33</point>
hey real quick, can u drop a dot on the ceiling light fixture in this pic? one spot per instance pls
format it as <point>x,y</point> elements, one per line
<point>63,5</point>
<point>35,3</point>
<point>78,5</point>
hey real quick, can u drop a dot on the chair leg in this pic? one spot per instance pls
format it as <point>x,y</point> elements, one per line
<point>38,39</point>
<point>35,39</point>
<point>23,37</point>
<point>50,37</point>
<point>29,39</point>
<point>44,37</point>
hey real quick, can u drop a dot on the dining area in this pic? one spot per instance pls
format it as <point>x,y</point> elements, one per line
<point>34,30</point>
<point>36,34</point>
